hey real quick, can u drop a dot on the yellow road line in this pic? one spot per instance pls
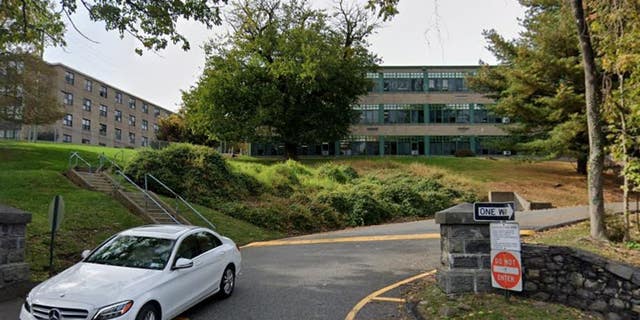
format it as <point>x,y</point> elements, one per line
<point>419,236</point>
<point>387,299</point>
<point>527,232</point>
<point>340,240</point>
<point>352,314</point>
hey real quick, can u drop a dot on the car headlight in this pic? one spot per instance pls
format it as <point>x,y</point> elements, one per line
<point>27,304</point>
<point>113,311</point>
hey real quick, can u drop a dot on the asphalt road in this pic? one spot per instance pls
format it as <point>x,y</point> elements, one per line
<point>325,281</point>
<point>320,281</point>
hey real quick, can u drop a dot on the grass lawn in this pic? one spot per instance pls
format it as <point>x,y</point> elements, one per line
<point>577,236</point>
<point>31,174</point>
<point>436,305</point>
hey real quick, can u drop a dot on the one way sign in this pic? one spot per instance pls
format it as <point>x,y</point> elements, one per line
<point>494,211</point>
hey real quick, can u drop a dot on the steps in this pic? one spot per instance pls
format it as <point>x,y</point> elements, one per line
<point>150,209</point>
<point>136,201</point>
<point>97,181</point>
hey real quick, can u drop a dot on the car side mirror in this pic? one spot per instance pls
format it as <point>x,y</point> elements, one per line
<point>85,253</point>
<point>183,263</point>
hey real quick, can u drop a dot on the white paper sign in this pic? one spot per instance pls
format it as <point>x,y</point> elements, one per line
<point>505,236</point>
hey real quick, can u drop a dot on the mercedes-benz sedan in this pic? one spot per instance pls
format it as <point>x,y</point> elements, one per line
<point>145,273</point>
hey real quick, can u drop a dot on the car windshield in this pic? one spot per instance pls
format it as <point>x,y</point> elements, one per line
<point>134,252</point>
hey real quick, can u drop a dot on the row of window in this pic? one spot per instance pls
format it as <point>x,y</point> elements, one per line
<point>67,99</point>
<point>437,113</point>
<point>118,136</point>
<point>88,86</point>
<point>86,123</point>
<point>390,145</point>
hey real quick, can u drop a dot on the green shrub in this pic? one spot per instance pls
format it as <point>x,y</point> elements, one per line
<point>195,172</point>
<point>337,173</point>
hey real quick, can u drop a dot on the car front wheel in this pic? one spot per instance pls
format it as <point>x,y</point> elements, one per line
<point>148,312</point>
<point>227,283</point>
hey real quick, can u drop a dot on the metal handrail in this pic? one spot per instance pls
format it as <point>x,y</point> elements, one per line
<point>178,197</point>
<point>76,156</point>
<point>102,158</point>
<point>147,194</point>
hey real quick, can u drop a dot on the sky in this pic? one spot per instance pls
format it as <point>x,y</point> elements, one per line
<point>425,32</point>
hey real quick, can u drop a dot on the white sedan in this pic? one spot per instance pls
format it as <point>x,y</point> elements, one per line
<point>145,273</point>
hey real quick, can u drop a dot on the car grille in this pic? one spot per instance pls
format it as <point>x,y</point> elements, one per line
<point>42,312</point>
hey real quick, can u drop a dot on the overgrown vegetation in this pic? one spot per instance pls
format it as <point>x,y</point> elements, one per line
<point>292,197</point>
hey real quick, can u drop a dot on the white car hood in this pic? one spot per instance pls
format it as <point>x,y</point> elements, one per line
<point>95,284</point>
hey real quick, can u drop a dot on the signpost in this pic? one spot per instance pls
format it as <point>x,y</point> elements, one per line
<point>494,211</point>
<point>56,213</point>
<point>506,265</point>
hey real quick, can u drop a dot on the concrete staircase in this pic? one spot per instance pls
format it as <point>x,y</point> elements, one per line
<point>97,181</point>
<point>138,202</point>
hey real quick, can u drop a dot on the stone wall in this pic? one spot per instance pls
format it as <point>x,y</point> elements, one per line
<point>14,272</point>
<point>581,279</point>
<point>465,251</point>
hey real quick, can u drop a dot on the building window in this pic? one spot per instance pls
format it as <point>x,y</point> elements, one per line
<point>117,115</point>
<point>132,120</point>
<point>86,105</point>
<point>145,125</point>
<point>403,113</point>
<point>119,97</point>
<point>155,127</point>
<point>145,108</point>
<point>145,141</point>
<point>400,81</point>
<point>156,112</point>
<point>86,141</point>
<point>103,91</point>
<point>67,98</point>
<point>103,129</point>
<point>69,77</point>
<point>88,85</point>
<point>86,124</point>
<point>68,120</point>
<point>132,103</point>
<point>103,110</point>
<point>132,138</point>
<point>118,134</point>
<point>66,138</point>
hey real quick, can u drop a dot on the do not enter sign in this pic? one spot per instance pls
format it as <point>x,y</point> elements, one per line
<point>506,270</point>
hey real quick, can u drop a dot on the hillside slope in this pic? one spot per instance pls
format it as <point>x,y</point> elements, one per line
<point>31,174</point>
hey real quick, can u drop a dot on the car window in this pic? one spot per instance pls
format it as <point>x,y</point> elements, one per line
<point>134,252</point>
<point>188,248</point>
<point>207,241</point>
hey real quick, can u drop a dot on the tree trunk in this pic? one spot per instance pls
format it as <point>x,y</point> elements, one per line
<point>596,141</point>
<point>581,163</point>
<point>625,162</point>
<point>290,151</point>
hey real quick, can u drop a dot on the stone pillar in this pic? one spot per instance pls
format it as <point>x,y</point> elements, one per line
<point>14,272</point>
<point>465,251</point>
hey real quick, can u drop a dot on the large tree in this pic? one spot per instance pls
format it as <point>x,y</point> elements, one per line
<point>539,82</point>
<point>34,23</point>
<point>26,94</point>
<point>594,121</point>
<point>287,73</point>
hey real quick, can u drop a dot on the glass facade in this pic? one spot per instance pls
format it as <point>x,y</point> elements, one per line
<point>403,113</point>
